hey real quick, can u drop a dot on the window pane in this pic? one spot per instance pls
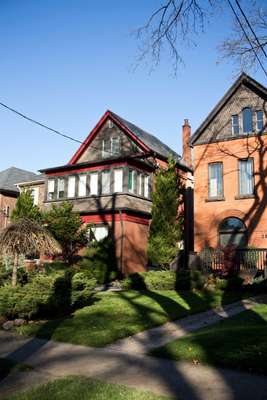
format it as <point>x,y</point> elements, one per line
<point>35,195</point>
<point>82,185</point>
<point>50,189</point>
<point>235,124</point>
<point>232,224</point>
<point>118,180</point>
<point>246,177</point>
<point>94,183</point>
<point>99,232</point>
<point>146,186</point>
<point>60,188</point>
<point>71,186</point>
<point>247,120</point>
<point>259,120</point>
<point>115,146</point>
<point>105,182</point>
<point>215,180</point>
<point>140,184</point>
<point>131,181</point>
<point>105,148</point>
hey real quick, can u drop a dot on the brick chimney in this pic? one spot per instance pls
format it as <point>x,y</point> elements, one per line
<point>186,143</point>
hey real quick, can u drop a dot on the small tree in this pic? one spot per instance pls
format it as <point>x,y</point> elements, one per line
<point>66,227</point>
<point>166,228</point>
<point>25,208</point>
<point>26,236</point>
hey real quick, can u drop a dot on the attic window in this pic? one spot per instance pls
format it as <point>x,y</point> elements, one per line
<point>235,125</point>
<point>247,120</point>
<point>115,145</point>
<point>110,124</point>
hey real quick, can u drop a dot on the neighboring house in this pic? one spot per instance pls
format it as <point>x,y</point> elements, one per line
<point>230,166</point>
<point>37,188</point>
<point>109,181</point>
<point>9,190</point>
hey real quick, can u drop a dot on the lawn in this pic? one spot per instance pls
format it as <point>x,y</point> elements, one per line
<point>115,315</point>
<point>78,388</point>
<point>239,342</point>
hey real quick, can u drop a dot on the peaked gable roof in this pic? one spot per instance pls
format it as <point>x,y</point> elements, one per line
<point>11,176</point>
<point>145,140</point>
<point>243,79</point>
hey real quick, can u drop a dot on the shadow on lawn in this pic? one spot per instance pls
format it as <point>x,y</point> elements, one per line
<point>117,364</point>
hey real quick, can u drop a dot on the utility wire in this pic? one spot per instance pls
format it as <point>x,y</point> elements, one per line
<point>250,27</point>
<point>247,37</point>
<point>48,128</point>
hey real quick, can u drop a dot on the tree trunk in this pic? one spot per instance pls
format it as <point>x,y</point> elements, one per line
<point>15,269</point>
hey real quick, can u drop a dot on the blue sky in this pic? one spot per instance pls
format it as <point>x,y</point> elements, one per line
<point>64,62</point>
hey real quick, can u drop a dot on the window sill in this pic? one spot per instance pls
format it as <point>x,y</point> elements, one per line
<point>215,199</point>
<point>245,196</point>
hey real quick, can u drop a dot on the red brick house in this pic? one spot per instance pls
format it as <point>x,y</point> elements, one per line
<point>230,166</point>
<point>109,181</point>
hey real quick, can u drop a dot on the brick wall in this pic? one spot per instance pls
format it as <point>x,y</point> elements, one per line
<point>208,214</point>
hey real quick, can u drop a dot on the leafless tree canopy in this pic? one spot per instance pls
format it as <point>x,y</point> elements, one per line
<point>27,237</point>
<point>237,46</point>
<point>176,23</point>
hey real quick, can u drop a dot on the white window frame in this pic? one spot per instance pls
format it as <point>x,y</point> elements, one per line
<point>50,189</point>
<point>132,189</point>
<point>82,181</point>
<point>71,186</point>
<point>58,187</point>
<point>94,183</point>
<point>118,184</point>
<point>146,185</point>
<point>112,140</point>
<point>35,195</point>
<point>257,120</point>
<point>106,173</point>
<point>232,121</point>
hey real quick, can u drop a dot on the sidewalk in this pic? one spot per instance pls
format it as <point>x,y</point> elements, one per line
<point>150,339</point>
<point>181,380</point>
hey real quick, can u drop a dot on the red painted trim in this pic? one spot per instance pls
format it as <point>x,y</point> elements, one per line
<point>107,218</point>
<point>95,130</point>
<point>85,169</point>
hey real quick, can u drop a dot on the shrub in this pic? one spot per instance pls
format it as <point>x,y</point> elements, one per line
<point>82,287</point>
<point>42,296</point>
<point>99,262</point>
<point>164,280</point>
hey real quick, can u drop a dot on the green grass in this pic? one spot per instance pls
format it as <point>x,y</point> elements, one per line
<point>239,342</point>
<point>7,365</point>
<point>78,388</point>
<point>115,315</point>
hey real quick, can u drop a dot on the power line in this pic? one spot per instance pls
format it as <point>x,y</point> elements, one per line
<point>48,128</point>
<point>247,37</point>
<point>250,27</point>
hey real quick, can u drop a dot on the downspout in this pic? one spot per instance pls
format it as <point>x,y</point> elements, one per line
<point>122,237</point>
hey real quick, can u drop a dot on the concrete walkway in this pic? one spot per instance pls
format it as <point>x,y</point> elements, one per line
<point>150,339</point>
<point>180,380</point>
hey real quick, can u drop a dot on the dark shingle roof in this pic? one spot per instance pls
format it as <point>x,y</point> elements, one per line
<point>11,176</point>
<point>151,141</point>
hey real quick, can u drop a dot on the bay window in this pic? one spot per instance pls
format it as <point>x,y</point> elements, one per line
<point>82,185</point>
<point>146,186</point>
<point>105,182</point>
<point>94,183</point>
<point>71,186</point>
<point>118,180</point>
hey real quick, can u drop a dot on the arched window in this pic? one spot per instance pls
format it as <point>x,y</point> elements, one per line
<point>247,120</point>
<point>232,231</point>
